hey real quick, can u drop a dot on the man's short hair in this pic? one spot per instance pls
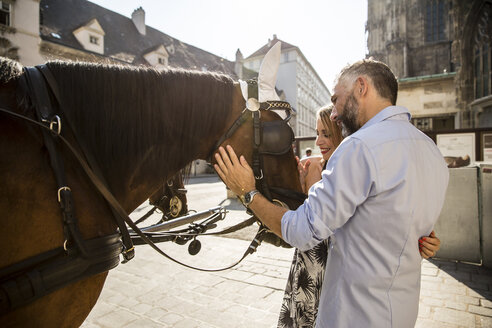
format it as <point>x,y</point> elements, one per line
<point>379,73</point>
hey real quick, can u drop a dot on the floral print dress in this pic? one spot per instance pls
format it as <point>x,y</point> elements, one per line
<point>303,290</point>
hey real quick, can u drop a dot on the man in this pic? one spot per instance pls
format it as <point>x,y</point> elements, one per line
<point>308,153</point>
<point>382,189</point>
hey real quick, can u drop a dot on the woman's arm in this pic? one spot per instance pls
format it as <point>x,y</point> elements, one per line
<point>314,174</point>
<point>429,245</point>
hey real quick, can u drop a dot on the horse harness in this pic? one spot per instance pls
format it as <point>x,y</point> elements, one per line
<point>35,277</point>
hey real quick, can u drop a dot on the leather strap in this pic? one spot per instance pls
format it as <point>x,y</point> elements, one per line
<point>35,277</point>
<point>129,251</point>
<point>40,100</point>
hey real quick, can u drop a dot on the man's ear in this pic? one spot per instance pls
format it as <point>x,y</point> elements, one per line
<point>361,86</point>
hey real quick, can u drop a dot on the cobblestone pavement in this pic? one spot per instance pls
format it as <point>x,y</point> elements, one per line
<point>151,291</point>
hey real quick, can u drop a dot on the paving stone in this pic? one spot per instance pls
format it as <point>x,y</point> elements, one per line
<point>428,323</point>
<point>454,288</point>
<point>468,300</point>
<point>170,318</point>
<point>429,285</point>
<point>432,301</point>
<point>455,305</point>
<point>119,316</point>
<point>188,323</point>
<point>432,278</point>
<point>101,309</point>
<point>258,279</point>
<point>426,271</point>
<point>237,275</point>
<point>156,312</point>
<point>142,308</point>
<point>455,317</point>
<point>424,311</point>
<point>480,310</point>
<point>484,322</point>
<point>145,323</point>
<point>444,295</point>
<point>486,303</point>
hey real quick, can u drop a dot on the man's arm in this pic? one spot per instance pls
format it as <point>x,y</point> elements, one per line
<point>238,176</point>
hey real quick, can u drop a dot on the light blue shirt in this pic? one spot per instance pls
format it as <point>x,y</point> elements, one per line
<point>383,188</point>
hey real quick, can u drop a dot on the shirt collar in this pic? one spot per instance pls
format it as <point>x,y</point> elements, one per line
<point>387,113</point>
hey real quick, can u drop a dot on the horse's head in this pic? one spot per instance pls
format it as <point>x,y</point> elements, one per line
<point>264,138</point>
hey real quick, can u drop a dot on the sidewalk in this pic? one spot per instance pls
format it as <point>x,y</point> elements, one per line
<point>151,291</point>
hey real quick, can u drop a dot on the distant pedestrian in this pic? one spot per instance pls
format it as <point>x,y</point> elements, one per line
<point>309,151</point>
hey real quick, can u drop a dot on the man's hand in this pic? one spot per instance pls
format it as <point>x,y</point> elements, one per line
<point>236,173</point>
<point>239,177</point>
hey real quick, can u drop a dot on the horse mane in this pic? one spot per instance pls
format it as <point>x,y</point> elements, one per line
<point>9,70</point>
<point>133,117</point>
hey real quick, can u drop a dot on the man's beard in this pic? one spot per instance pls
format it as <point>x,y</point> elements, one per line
<point>349,116</point>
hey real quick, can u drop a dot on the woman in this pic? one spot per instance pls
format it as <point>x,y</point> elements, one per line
<point>301,298</point>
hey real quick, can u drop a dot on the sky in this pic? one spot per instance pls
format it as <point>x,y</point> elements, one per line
<point>330,33</point>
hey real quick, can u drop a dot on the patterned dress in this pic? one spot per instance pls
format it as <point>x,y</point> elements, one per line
<point>303,290</point>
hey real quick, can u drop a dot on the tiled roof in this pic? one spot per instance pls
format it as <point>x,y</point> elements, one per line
<point>263,50</point>
<point>60,18</point>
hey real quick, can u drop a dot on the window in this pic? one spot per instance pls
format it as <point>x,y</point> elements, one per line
<point>481,58</point>
<point>435,20</point>
<point>93,39</point>
<point>481,70</point>
<point>285,57</point>
<point>162,61</point>
<point>4,13</point>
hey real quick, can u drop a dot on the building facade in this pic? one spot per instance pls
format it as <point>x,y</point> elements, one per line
<point>303,88</point>
<point>33,31</point>
<point>440,52</point>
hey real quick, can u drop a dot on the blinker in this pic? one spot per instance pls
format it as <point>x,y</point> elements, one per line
<point>277,138</point>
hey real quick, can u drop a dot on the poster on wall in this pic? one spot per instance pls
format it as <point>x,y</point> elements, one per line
<point>457,146</point>
<point>487,147</point>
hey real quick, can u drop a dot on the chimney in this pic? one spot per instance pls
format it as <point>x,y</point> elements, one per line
<point>238,65</point>
<point>138,18</point>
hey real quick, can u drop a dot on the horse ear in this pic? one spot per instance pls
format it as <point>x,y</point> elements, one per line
<point>244,89</point>
<point>267,76</point>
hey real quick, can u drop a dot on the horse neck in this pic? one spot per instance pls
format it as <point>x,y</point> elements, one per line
<point>146,131</point>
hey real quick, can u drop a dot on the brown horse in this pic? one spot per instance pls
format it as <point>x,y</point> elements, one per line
<point>141,126</point>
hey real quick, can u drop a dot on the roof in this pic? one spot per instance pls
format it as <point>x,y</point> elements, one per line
<point>60,18</point>
<point>263,50</point>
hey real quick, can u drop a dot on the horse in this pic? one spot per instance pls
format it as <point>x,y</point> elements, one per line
<point>140,126</point>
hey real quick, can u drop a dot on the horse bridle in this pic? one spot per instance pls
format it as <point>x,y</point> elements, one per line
<point>269,138</point>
